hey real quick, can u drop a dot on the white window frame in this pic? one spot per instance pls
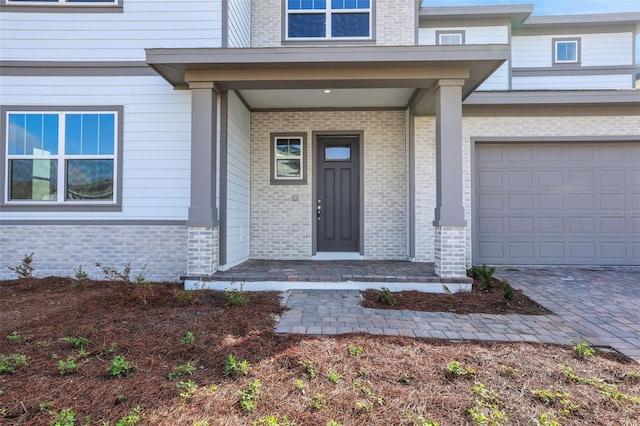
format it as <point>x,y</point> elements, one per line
<point>557,42</point>
<point>63,3</point>
<point>62,158</point>
<point>328,12</point>
<point>442,34</point>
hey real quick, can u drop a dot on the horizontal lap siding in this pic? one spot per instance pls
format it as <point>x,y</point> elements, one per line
<point>498,34</point>
<point>610,49</point>
<point>157,138</point>
<point>110,36</point>
<point>576,82</point>
<point>239,23</point>
<point>238,180</point>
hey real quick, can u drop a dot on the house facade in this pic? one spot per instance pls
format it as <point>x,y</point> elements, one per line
<point>192,136</point>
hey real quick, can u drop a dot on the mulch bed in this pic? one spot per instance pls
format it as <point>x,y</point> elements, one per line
<point>489,301</point>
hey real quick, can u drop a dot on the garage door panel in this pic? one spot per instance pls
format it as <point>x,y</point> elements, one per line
<point>613,225</point>
<point>614,178</point>
<point>551,251</point>
<point>613,250</point>
<point>551,202</point>
<point>520,201</point>
<point>551,225</point>
<point>573,203</point>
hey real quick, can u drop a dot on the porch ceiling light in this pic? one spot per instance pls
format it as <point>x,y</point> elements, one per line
<point>327,90</point>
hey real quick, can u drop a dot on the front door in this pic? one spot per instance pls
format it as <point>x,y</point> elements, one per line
<point>338,201</point>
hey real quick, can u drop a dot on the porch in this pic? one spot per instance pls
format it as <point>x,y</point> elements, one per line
<point>281,275</point>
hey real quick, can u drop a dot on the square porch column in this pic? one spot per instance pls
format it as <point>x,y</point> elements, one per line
<point>203,223</point>
<point>449,220</point>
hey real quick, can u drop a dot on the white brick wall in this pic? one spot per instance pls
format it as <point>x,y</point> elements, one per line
<point>59,249</point>
<point>450,251</point>
<point>492,127</point>
<point>394,26</point>
<point>202,251</point>
<point>281,228</point>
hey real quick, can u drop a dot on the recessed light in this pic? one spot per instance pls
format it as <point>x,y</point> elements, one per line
<point>327,90</point>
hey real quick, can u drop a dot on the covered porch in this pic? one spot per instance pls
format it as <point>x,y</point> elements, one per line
<point>258,275</point>
<point>283,91</point>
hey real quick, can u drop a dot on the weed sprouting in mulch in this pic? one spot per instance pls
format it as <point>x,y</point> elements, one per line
<point>349,380</point>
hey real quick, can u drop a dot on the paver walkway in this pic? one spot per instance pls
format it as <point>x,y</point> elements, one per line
<point>597,305</point>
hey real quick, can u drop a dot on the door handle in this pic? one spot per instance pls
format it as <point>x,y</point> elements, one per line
<point>319,209</point>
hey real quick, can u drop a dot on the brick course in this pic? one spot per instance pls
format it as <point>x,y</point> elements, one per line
<point>60,249</point>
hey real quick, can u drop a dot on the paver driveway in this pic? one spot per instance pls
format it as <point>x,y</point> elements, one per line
<point>601,302</point>
<point>597,305</point>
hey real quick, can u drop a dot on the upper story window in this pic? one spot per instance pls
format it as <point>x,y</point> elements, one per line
<point>566,51</point>
<point>328,19</point>
<point>61,157</point>
<point>66,2</point>
<point>449,37</point>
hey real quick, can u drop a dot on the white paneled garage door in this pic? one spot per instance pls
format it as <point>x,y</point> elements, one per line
<point>543,203</point>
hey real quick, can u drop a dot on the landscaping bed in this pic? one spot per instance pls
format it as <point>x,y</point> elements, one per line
<point>70,343</point>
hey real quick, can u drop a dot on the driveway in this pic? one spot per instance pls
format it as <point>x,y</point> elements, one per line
<point>602,304</point>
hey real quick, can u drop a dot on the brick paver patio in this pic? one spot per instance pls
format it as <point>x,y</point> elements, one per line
<point>597,305</point>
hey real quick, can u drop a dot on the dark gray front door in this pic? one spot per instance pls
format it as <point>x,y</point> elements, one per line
<point>337,206</point>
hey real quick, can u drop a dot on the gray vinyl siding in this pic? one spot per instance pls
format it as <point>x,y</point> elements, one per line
<point>239,23</point>
<point>238,180</point>
<point>121,36</point>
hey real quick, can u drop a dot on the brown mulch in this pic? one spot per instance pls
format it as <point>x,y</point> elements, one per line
<point>489,301</point>
<point>381,380</point>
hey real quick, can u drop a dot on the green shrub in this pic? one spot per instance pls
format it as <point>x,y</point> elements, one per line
<point>485,273</point>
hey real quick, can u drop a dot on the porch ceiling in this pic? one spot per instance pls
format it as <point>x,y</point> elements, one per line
<point>270,77</point>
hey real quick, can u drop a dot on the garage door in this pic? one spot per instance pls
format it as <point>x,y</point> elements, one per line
<point>575,203</point>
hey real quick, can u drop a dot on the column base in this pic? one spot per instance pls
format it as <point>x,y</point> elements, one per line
<point>202,251</point>
<point>450,252</point>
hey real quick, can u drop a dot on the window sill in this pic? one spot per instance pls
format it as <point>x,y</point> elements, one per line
<point>36,8</point>
<point>60,208</point>
<point>329,42</point>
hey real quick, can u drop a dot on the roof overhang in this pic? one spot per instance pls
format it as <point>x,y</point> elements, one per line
<point>516,13</point>
<point>556,97</point>
<point>361,67</point>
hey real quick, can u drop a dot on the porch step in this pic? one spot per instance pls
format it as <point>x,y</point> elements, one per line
<point>281,275</point>
<point>427,287</point>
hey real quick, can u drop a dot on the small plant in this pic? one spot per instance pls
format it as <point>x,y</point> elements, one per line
<point>272,420</point>
<point>573,377</point>
<point>488,407</point>
<point>355,350</point>
<point>79,275</point>
<point>188,339</point>
<point>508,371</point>
<point>333,423</point>
<point>69,366</point>
<point>237,297</point>
<point>182,370</point>
<point>547,419</point>
<point>249,397</point>
<point>611,394</point>
<point>584,350</point>
<point>485,273</point>
<point>364,406</point>
<point>14,337</point>
<point>405,379</point>
<point>456,369</point>
<point>187,389</point>
<point>119,367</point>
<point>111,349</point>
<point>112,274</point>
<point>65,417</point>
<point>310,370</point>
<point>77,342</point>
<point>25,269</point>
<point>141,278</point>
<point>556,398</point>
<point>9,363</point>
<point>333,376</point>
<point>233,367</point>
<point>507,292</point>
<point>299,385</point>
<point>385,296</point>
<point>183,297</point>
<point>318,402</point>
<point>132,418</point>
<point>420,421</point>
